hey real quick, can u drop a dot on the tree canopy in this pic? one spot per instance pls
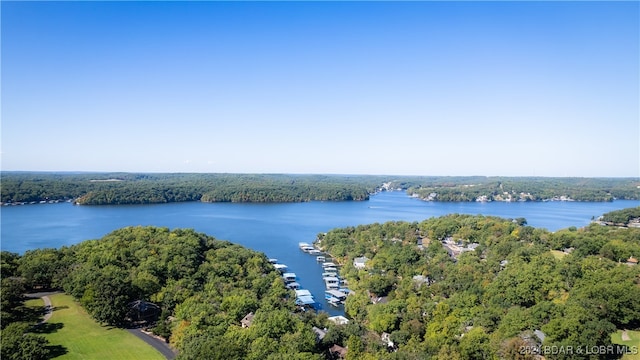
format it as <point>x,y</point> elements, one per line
<point>478,287</point>
<point>457,286</point>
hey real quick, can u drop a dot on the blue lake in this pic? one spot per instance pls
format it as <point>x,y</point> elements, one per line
<point>275,229</point>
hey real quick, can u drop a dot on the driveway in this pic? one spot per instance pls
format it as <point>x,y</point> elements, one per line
<point>157,344</point>
<point>48,309</point>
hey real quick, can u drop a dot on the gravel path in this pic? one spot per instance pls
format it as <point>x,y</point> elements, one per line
<point>48,309</point>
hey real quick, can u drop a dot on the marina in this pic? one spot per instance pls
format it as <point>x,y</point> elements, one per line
<point>336,292</point>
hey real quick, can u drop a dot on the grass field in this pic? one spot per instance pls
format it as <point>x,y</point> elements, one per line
<point>616,338</point>
<point>71,327</point>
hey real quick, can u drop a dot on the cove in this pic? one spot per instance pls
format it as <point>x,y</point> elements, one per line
<point>275,229</point>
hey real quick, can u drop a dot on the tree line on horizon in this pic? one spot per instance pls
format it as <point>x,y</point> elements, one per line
<point>528,189</point>
<point>141,188</point>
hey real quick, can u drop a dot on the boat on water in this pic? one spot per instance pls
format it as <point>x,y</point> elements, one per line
<point>273,261</point>
<point>333,301</point>
<point>305,299</point>
<point>289,277</point>
<point>293,285</point>
<point>335,297</point>
<point>321,258</point>
<point>303,292</point>
<point>332,282</point>
<point>280,267</point>
<point>315,252</point>
<point>329,274</point>
<point>328,264</point>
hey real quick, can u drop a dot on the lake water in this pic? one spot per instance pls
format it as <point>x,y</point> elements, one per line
<point>275,229</point>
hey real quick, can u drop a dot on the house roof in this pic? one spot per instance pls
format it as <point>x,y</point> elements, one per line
<point>321,333</point>
<point>246,321</point>
<point>342,352</point>
<point>339,320</point>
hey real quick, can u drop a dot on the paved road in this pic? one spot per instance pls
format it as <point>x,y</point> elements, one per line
<point>158,344</point>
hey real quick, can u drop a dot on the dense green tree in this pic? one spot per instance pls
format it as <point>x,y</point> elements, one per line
<point>486,303</point>
<point>11,298</point>
<point>8,264</point>
<point>107,298</point>
<point>41,268</point>
<point>19,344</point>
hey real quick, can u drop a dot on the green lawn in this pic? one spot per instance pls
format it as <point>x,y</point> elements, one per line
<point>83,338</point>
<point>616,338</point>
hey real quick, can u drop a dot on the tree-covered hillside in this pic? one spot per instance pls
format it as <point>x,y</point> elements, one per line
<point>132,188</point>
<point>525,189</point>
<point>454,287</point>
<point>476,287</point>
<point>129,188</point>
<point>622,217</point>
<point>202,286</point>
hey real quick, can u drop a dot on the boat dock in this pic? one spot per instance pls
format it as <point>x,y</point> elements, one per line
<point>336,292</point>
<point>304,298</point>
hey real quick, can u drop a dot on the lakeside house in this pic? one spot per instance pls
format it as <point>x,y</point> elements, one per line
<point>360,262</point>
<point>386,340</point>
<point>247,320</point>
<point>455,248</point>
<point>320,333</point>
<point>420,279</point>
<point>338,320</point>
<point>143,311</point>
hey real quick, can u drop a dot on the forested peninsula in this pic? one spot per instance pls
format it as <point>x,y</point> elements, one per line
<point>153,188</point>
<point>453,287</point>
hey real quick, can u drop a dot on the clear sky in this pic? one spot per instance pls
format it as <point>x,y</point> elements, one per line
<point>410,88</point>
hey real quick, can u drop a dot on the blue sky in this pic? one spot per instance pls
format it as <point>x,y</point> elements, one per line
<point>410,88</point>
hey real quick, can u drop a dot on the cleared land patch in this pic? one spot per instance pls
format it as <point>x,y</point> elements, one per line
<point>83,338</point>
<point>632,343</point>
